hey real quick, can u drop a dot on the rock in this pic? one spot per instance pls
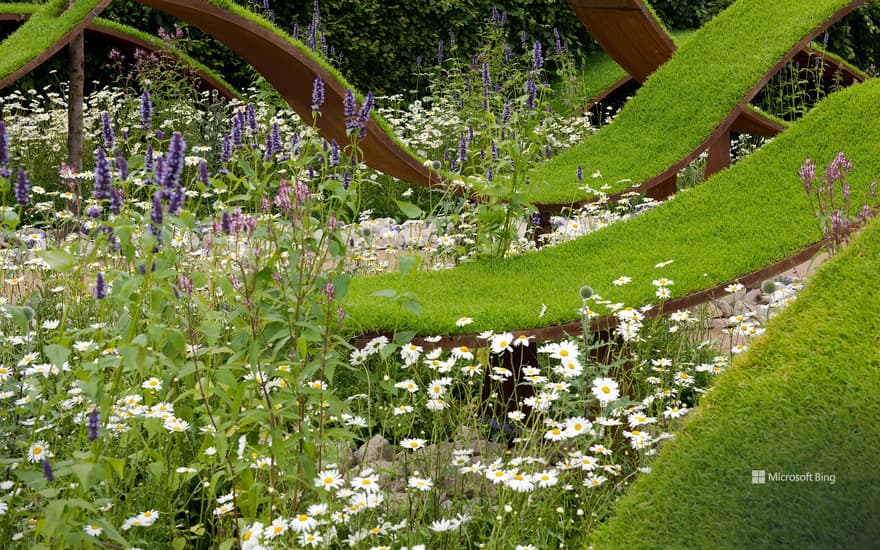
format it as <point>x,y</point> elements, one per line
<point>752,298</point>
<point>375,450</point>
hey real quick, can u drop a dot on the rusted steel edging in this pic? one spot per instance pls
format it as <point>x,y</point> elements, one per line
<point>292,72</point>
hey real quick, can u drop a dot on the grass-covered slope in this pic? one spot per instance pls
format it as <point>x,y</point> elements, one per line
<point>683,102</point>
<point>805,398</point>
<point>154,42</point>
<point>742,219</point>
<point>46,26</point>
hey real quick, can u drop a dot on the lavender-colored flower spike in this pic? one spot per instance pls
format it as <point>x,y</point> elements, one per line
<point>226,149</point>
<point>317,94</point>
<point>537,57</point>
<point>146,110</point>
<point>226,223</point>
<point>203,174</point>
<point>158,214</point>
<point>174,163</point>
<point>334,153</point>
<point>148,159</point>
<point>100,286</point>
<point>47,470</point>
<point>103,184</point>
<point>349,109</point>
<point>107,132</point>
<point>463,148</point>
<point>4,145</point>
<point>440,52</point>
<point>237,129</point>
<point>115,201</point>
<point>532,90</point>
<point>22,188</point>
<point>94,423</point>
<point>580,173</point>
<point>364,114</point>
<point>121,167</point>
<point>251,114</point>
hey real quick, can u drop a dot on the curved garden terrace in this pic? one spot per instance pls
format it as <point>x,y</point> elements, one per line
<point>195,352</point>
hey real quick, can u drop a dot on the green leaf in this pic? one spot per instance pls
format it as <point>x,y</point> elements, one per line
<point>387,293</point>
<point>56,354</point>
<point>58,259</point>
<point>409,209</point>
<point>407,264</point>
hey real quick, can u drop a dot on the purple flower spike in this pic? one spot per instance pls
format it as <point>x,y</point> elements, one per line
<point>102,186</point>
<point>174,163</point>
<point>537,57</point>
<point>4,145</point>
<point>94,423</point>
<point>350,108</point>
<point>107,132</point>
<point>121,167</point>
<point>146,110</point>
<point>22,188</point>
<point>203,174</point>
<point>364,114</point>
<point>317,94</point>
<point>100,287</point>
<point>47,470</point>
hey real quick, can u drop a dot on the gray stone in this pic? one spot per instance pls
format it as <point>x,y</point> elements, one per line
<point>376,449</point>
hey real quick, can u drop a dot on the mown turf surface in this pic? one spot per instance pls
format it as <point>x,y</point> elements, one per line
<point>42,30</point>
<point>804,399</point>
<point>741,220</point>
<point>686,99</point>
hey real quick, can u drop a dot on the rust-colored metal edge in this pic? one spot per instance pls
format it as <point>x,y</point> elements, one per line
<point>627,32</point>
<point>722,129</point>
<point>292,72</point>
<point>135,42</point>
<point>608,322</point>
<point>44,55</point>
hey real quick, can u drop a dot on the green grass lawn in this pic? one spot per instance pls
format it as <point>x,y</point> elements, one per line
<point>743,219</point>
<point>803,399</point>
<point>43,29</point>
<point>684,101</point>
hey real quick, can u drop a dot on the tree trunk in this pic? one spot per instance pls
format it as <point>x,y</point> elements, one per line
<point>76,51</point>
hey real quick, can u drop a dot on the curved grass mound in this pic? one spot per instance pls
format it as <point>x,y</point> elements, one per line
<point>135,39</point>
<point>738,221</point>
<point>697,93</point>
<point>805,400</point>
<point>48,30</point>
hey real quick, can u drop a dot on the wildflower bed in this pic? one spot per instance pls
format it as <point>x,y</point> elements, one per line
<point>684,101</point>
<point>801,402</point>
<point>739,221</point>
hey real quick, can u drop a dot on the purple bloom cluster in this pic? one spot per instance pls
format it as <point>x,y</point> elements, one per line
<point>317,94</point>
<point>100,286</point>
<point>22,188</point>
<point>146,110</point>
<point>103,183</point>
<point>107,132</point>
<point>4,145</point>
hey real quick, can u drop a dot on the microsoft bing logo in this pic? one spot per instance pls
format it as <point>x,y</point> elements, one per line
<point>759,477</point>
